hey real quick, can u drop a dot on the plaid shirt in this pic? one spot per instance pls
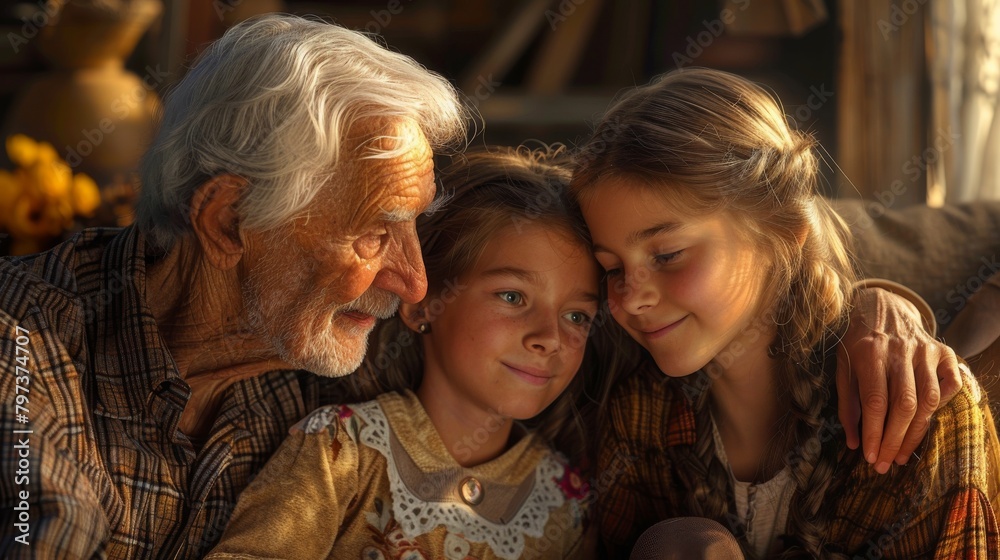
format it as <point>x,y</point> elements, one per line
<point>936,507</point>
<point>103,470</point>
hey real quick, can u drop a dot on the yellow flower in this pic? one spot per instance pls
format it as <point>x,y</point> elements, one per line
<point>85,194</point>
<point>54,179</point>
<point>27,184</point>
<point>27,218</point>
<point>47,153</point>
<point>41,197</point>
<point>22,150</point>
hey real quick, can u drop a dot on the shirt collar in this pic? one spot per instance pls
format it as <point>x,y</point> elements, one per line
<point>131,361</point>
<point>680,422</point>
<point>670,395</point>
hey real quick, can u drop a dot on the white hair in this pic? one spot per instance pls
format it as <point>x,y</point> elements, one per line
<point>271,101</point>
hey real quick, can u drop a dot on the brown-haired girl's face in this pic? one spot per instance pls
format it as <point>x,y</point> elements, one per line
<point>513,335</point>
<point>687,288</point>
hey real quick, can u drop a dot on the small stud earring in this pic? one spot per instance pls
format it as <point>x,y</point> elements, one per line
<point>424,328</point>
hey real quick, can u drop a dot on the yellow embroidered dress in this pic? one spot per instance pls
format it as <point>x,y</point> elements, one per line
<point>374,481</point>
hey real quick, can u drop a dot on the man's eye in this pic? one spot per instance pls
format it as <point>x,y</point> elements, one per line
<point>511,297</point>
<point>368,246</point>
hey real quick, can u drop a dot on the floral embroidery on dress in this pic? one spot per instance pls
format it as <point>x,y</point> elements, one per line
<point>577,491</point>
<point>390,543</point>
<point>343,411</point>
<point>388,540</point>
<point>350,422</point>
<point>572,484</point>
<point>316,421</point>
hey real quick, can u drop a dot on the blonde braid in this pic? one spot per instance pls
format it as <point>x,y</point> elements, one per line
<point>705,476</point>
<point>812,461</point>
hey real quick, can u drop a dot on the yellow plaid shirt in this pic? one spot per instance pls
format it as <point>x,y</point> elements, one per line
<point>108,474</point>
<point>937,506</point>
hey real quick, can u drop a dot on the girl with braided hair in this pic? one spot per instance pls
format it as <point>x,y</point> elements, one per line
<point>726,265</point>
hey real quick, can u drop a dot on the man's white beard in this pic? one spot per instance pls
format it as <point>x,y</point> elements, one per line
<point>294,331</point>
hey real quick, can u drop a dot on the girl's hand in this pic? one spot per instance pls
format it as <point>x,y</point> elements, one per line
<point>888,360</point>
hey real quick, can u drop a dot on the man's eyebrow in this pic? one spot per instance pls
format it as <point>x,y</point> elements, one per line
<point>636,237</point>
<point>399,215</point>
<point>441,198</point>
<point>403,215</point>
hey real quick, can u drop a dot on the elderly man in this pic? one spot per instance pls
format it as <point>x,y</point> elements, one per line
<point>149,372</point>
<point>276,224</point>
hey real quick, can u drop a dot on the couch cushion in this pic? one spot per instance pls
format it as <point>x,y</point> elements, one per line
<point>944,254</point>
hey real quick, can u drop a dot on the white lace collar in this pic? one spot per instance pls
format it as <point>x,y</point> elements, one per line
<point>417,515</point>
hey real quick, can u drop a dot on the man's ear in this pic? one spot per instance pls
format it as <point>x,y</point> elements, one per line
<point>215,221</point>
<point>413,315</point>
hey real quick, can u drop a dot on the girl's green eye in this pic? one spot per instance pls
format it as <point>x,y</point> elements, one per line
<point>578,318</point>
<point>513,298</point>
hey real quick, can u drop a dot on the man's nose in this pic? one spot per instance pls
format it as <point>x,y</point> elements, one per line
<point>403,270</point>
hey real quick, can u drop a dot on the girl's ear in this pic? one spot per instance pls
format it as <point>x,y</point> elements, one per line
<point>413,315</point>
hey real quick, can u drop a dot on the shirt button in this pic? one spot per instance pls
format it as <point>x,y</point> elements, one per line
<point>471,491</point>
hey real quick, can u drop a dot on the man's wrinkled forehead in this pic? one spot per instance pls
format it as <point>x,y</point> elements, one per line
<point>392,162</point>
